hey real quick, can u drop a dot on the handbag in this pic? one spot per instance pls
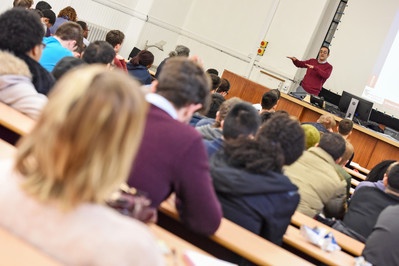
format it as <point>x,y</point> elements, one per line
<point>133,203</point>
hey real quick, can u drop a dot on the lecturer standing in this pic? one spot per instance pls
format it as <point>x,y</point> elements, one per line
<point>318,71</point>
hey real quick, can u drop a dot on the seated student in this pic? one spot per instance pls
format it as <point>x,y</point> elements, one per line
<point>66,64</point>
<point>65,40</point>
<point>248,179</point>
<point>206,121</point>
<point>215,82</point>
<point>139,65</point>
<point>85,29</point>
<point>381,245</point>
<point>99,52</point>
<point>115,38</point>
<point>66,14</point>
<point>340,167</point>
<point>43,5</point>
<point>312,136</point>
<point>376,175</point>
<point>268,102</point>
<point>345,127</point>
<point>240,121</point>
<point>324,124</point>
<point>180,50</point>
<point>320,185</point>
<point>78,153</point>
<point>23,3</point>
<point>223,88</point>
<point>368,202</point>
<point>176,162</point>
<point>27,44</point>
<point>16,88</point>
<point>48,20</point>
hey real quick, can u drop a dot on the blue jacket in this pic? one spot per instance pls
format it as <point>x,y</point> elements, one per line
<point>140,73</point>
<point>263,204</point>
<point>52,53</point>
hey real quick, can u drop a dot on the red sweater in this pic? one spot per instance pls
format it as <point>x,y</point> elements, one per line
<point>172,158</point>
<point>314,78</point>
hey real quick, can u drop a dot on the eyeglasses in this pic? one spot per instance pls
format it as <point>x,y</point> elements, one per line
<point>323,52</point>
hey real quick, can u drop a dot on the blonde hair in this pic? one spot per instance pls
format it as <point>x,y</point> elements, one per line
<point>327,120</point>
<point>83,145</point>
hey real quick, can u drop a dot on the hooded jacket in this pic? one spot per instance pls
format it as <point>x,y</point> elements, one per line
<point>16,88</point>
<point>261,203</point>
<point>140,73</point>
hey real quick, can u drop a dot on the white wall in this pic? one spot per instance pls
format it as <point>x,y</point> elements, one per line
<point>358,42</point>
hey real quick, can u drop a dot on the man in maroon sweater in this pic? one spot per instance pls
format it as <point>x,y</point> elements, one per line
<point>318,71</point>
<point>172,157</point>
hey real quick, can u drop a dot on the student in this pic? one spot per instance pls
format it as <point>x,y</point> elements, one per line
<point>65,40</point>
<point>172,157</point>
<point>236,122</point>
<point>99,52</point>
<point>139,65</point>
<point>22,34</point>
<point>376,175</point>
<point>66,14</point>
<point>78,153</point>
<point>248,178</point>
<point>368,202</point>
<point>381,245</point>
<point>16,88</point>
<point>180,50</point>
<point>115,38</point>
<point>321,187</point>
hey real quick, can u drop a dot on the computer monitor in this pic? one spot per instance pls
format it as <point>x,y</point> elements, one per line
<point>134,52</point>
<point>363,109</point>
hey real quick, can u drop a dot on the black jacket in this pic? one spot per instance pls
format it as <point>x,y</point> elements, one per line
<point>262,204</point>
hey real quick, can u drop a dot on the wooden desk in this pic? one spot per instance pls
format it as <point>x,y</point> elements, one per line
<point>345,242</point>
<point>295,239</point>
<point>14,251</point>
<point>176,245</point>
<point>370,147</point>
<point>6,150</point>
<point>245,243</point>
<point>14,120</point>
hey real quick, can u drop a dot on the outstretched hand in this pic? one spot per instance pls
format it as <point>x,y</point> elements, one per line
<point>292,58</point>
<point>309,66</point>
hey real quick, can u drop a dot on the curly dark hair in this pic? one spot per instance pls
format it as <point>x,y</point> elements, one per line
<point>20,30</point>
<point>280,141</point>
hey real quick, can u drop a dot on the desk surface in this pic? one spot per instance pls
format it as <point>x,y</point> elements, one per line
<point>246,243</point>
<point>6,150</point>
<point>14,251</point>
<point>176,247</point>
<point>14,120</point>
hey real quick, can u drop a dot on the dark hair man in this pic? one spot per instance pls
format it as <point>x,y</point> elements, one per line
<point>99,52</point>
<point>177,161</point>
<point>318,71</point>
<point>21,32</point>
<point>116,38</point>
